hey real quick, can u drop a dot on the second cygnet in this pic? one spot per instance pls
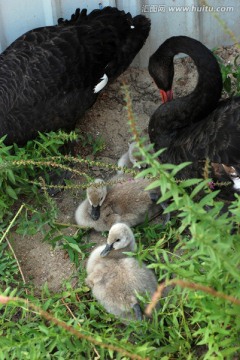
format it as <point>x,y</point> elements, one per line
<point>125,201</point>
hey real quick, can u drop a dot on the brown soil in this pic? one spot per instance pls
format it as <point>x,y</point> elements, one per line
<point>41,263</point>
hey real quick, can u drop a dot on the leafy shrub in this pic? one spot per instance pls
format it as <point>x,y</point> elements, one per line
<point>230,75</point>
<point>195,257</point>
<point>18,170</point>
<point>187,324</point>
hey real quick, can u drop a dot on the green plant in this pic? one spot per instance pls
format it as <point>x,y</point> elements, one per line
<point>96,143</point>
<point>195,257</point>
<point>16,177</point>
<point>207,253</point>
<point>73,244</point>
<point>231,76</point>
<point>188,324</point>
<point>185,321</point>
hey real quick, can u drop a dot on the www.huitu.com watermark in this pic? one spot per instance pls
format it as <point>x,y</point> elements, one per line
<point>153,8</point>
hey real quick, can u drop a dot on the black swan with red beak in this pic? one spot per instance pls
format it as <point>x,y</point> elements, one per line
<point>51,75</point>
<point>198,126</point>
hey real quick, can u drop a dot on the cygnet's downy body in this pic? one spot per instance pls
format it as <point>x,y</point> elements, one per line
<point>126,201</point>
<point>131,158</point>
<point>115,278</point>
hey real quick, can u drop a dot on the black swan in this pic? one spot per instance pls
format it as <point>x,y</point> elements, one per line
<point>197,126</point>
<point>51,75</point>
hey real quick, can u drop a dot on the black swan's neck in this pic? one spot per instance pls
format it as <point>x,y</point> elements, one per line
<point>204,98</point>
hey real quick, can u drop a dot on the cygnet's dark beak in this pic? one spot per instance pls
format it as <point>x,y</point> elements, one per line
<point>106,250</point>
<point>95,212</point>
<point>154,196</point>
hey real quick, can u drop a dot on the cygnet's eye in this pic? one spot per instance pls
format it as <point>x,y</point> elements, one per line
<point>117,240</point>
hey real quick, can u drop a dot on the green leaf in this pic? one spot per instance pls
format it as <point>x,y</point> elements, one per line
<point>11,192</point>
<point>179,167</point>
<point>190,182</point>
<point>230,351</point>
<point>227,84</point>
<point>11,176</point>
<point>155,184</point>
<point>207,200</point>
<point>198,188</point>
<point>44,329</point>
<point>74,246</point>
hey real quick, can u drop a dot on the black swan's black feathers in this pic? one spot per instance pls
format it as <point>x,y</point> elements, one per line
<point>48,75</point>
<point>200,125</point>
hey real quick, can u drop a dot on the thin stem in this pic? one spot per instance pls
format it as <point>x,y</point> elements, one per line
<point>18,264</point>
<point>11,223</point>
<point>186,284</point>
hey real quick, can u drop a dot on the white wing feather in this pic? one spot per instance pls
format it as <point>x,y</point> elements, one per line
<point>101,84</point>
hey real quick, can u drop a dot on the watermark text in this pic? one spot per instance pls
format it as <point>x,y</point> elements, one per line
<point>205,8</point>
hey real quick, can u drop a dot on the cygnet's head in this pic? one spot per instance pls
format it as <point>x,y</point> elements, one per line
<point>134,156</point>
<point>120,237</point>
<point>96,195</point>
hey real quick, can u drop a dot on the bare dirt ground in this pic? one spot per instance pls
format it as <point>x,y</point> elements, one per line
<point>41,263</point>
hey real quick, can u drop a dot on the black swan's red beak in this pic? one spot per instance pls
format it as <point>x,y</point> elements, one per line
<point>166,95</point>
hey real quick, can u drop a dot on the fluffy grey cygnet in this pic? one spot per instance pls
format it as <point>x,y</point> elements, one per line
<point>131,158</point>
<point>126,201</point>
<point>116,278</point>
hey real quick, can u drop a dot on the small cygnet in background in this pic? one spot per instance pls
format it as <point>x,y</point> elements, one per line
<point>131,158</point>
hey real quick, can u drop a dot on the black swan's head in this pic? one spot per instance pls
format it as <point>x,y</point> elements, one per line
<point>161,69</point>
